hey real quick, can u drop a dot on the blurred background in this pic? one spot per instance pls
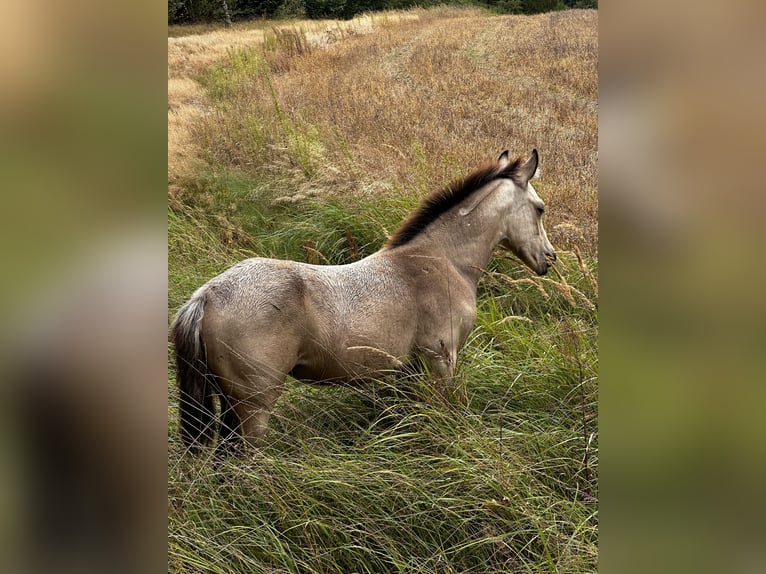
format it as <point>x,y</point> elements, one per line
<point>84,332</point>
<point>681,139</point>
<point>84,320</point>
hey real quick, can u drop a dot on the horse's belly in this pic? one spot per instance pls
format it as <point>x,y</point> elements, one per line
<point>346,364</point>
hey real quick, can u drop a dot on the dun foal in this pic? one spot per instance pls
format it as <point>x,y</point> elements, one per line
<point>244,331</point>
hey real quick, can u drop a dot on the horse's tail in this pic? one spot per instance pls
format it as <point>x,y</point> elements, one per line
<point>195,382</point>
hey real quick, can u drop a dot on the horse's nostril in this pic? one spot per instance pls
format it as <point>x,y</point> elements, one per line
<point>551,255</point>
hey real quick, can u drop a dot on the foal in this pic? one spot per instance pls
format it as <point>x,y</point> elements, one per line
<point>243,332</point>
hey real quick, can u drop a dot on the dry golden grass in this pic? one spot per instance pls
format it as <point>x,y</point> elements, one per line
<point>413,103</point>
<point>194,49</point>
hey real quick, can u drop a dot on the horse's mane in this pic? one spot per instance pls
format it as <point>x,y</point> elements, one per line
<point>439,202</point>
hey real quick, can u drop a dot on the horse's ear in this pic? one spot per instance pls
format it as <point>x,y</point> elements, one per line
<point>503,159</point>
<point>529,168</point>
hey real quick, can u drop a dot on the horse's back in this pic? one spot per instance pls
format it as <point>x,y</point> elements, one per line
<point>253,286</point>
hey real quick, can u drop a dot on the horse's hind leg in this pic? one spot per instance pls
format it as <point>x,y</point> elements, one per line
<point>245,415</point>
<point>230,435</point>
<point>251,373</point>
<point>253,409</point>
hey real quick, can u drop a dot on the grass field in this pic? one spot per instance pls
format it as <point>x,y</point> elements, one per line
<point>311,141</point>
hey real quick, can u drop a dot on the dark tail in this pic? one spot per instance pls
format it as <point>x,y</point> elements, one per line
<point>195,381</point>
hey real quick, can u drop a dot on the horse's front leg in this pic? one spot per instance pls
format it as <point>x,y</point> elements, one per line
<point>440,360</point>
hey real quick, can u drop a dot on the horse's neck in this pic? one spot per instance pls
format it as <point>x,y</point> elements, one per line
<point>466,241</point>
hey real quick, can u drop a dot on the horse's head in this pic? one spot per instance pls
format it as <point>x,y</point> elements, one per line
<point>523,223</point>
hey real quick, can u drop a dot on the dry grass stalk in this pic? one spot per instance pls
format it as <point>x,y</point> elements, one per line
<point>394,363</point>
<point>534,282</point>
<point>563,287</point>
<point>353,247</point>
<point>587,273</point>
<point>313,255</point>
<point>566,289</point>
<point>514,318</point>
<point>383,228</point>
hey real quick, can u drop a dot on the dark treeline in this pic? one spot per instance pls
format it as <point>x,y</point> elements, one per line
<point>187,11</point>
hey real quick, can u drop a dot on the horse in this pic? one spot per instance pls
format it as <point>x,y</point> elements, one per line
<point>243,332</point>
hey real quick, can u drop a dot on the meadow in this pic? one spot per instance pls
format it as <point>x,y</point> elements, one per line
<point>312,141</point>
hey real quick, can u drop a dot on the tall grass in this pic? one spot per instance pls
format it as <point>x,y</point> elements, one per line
<point>500,474</point>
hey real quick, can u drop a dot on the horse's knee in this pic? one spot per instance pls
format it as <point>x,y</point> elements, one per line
<point>441,367</point>
<point>439,357</point>
<point>440,363</point>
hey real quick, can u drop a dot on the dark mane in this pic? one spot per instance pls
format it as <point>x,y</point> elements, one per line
<point>439,202</point>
